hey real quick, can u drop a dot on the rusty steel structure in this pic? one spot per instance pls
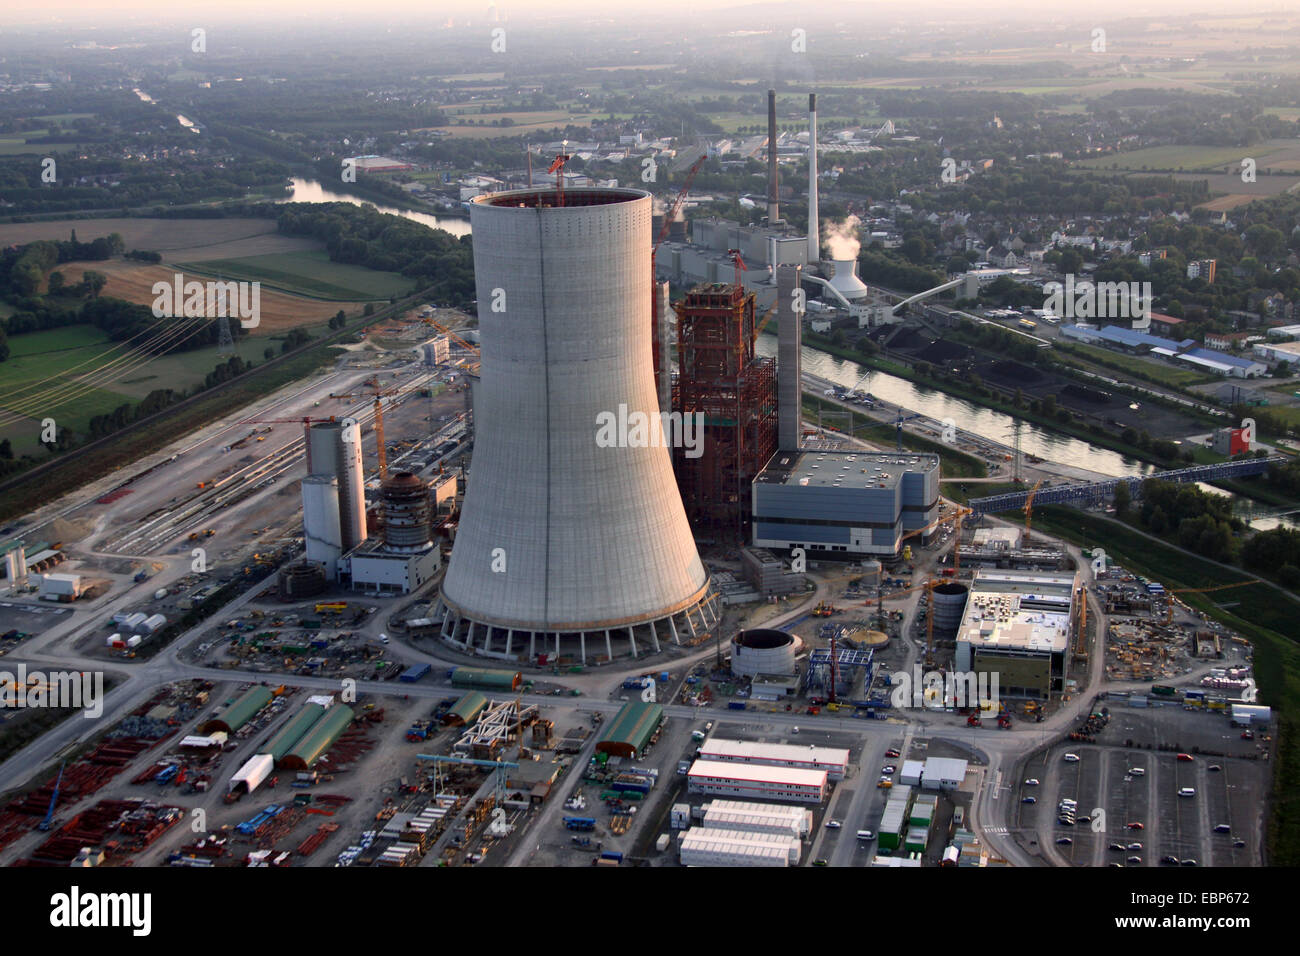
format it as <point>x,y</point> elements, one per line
<point>723,380</point>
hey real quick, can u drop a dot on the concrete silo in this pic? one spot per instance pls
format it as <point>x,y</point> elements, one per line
<point>563,538</point>
<point>334,449</point>
<point>320,522</point>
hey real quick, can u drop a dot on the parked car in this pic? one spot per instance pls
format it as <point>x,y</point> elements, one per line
<point>892,753</point>
<point>1186,758</point>
<point>1187,792</point>
<point>1029,800</point>
<point>1134,826</point>
<point>1134,847</point>
<point>1222,828</point>
<point>1238,844</point>
<point>1190,862</point>
<point>1133,859</point>
<point>1169,860</point>
<point>1117,847</point>
<point>889,768</point>
<point>1064,841</point>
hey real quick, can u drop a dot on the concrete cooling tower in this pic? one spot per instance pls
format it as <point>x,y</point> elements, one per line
<point>568,544</point>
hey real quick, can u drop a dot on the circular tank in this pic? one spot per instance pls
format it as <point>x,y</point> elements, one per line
<point>764,651</point>
<point>302,579</point>
<point>871,573</point>
<point>406,513</point>
<point>949,606</point>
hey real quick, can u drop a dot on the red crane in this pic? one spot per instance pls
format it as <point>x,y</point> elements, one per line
<point>557,167</point>
<point>740,267</point>
<point>675,209</point>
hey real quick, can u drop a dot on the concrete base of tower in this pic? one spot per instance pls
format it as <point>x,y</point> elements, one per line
<point>687,627</point>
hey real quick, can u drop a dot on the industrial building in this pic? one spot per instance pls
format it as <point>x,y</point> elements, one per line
<point>757,781</point>
<point>833,760</point>
<point>726,386</point>
<point>1018,625</point>
<point>318,739</point>
<point>844,504</point>
<point>374,567</point>
<point>758,817</point>
<point>561,540</point>
<point>629,733</point>
<point>703,846</point>
<point>768,573</point>
<point>893,822</point>
<point>60,587</point>
<point>942,773</point>
<point>489,678</point>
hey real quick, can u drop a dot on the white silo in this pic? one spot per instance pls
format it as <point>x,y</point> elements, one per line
<point>563,539</point>
<point>320,522</point>
<point>335,450</point>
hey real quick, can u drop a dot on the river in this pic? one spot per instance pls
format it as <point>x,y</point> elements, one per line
<point>310,190</point>
<point>968,416</point>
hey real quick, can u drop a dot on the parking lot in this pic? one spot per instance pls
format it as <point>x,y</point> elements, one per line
<point>1116,785</point>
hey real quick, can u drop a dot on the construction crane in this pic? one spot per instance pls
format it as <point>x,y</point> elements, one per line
<point>1029,508</point>
<point>557,167</point>
<point>675,209</point>
<point>740,268</point>
<point>758,328</point>
<point>1169,610</point>
<point>462,342</point>
<point>499,767</point>
<point>381,451</point>
<point>898,426</point>
<point>44,825</point>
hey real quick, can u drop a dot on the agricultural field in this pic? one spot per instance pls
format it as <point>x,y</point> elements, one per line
<point>26,395</point>
<point>307,274</point>
<point>1279,154</point>
<point>134,282</point>
<point>178,240</point>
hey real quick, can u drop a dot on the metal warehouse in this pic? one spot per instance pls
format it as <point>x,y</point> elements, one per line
<point>240,712</point>
<point>834,760</point>
<point>768,783</point>
<point>319,739</point>
<point>466,710</point>
<point>702,847</point>
<point>894,820</point>
<point>758,817</point>
<point>293,731</point>
<point>486,677</point>
<point>630,731</point>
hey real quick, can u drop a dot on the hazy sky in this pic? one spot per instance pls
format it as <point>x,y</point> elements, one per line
<point>631,13</point>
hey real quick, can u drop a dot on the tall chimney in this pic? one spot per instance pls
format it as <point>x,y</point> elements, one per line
<point>814,226</point>
<point>773,211</point>
<point>789,336</point>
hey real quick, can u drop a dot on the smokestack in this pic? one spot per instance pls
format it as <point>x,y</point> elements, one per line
<point>773,211</point>
<point>789,339</point>
<point>814,227</point>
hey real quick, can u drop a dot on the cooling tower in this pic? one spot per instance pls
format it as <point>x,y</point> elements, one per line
<point>846,281</point>
<point>563,538</point>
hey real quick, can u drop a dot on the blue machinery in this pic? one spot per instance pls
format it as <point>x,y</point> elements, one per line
<point>1096,492</point>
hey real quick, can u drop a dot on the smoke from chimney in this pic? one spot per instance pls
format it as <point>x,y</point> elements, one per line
<point>842,239</point>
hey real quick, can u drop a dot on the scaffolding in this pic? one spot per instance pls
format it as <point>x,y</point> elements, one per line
<point>722,379</point>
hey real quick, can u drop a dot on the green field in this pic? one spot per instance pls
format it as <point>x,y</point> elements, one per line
<point>307,273</point>
<point>1183,157</point>
<point>1155,370</point>
<point>37,357</point>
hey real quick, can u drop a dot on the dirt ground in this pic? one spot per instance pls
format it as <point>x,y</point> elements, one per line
<point>179,240</point>
<point>134,282</point>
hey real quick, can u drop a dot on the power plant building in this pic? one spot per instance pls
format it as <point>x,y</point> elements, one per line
<point>1018,625</point>
<point>572,533</point>
<point>404,557</point>
<point>725,387</point>
<point>844,503</point>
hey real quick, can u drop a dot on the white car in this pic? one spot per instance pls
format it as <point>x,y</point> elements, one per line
<point>833,824</point>
<point>1071,758</point>
<point>1031,782</point>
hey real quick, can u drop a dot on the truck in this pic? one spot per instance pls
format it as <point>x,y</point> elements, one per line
<point>1163,690</point>
<point>736,705</point>
<point>614,855</point>
<point>579,823</point>
<point>415,672</point>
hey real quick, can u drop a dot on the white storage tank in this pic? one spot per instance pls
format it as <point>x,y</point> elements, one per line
<point>135,641</point>
<point>152,624</point>
<point>764,651</point>
<point>159,594</point>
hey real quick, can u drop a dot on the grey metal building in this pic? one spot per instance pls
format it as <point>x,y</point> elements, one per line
<point>844,503</point>
<point>572,533</point>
